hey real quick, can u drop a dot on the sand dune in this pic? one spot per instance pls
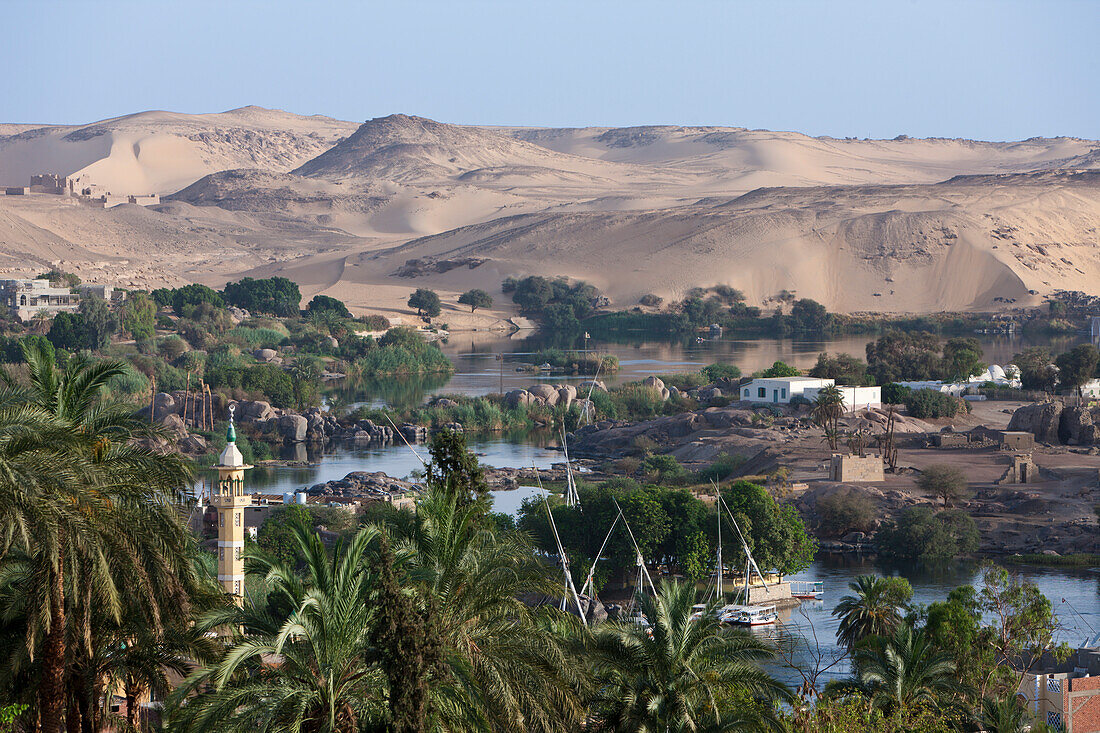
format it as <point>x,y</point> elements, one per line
<point>897,225</point>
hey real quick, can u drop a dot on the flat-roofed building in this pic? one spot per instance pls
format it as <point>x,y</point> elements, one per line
<point>25,299</point>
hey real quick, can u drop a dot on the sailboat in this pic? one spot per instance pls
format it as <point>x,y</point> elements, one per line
<point>742,614</point>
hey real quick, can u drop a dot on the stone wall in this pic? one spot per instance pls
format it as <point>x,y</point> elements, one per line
<point>856,469</point>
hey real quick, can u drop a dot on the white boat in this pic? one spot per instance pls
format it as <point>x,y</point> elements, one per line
<point>808,589</point>
<point>749,615</point>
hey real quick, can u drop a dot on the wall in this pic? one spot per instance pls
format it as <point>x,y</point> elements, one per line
<point>856,469</point>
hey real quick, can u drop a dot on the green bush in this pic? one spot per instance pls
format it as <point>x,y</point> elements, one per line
<point>715,372</point>
<point>895,394</point>
<point>722,468</point>
<point>931,403</point>
<point>919,533</point>
<point>259,338</point>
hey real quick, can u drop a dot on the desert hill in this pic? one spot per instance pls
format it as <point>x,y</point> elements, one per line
<point>897,225</point>
<point>161,152</point>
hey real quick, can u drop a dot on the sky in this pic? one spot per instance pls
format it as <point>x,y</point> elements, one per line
<point>991,70</point>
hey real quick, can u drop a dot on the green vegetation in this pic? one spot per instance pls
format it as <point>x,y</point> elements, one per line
<point>327,304</point>
<point>476,298</point>
<point>426,302</point>
<point>780,369</point>
<point>845,369</point>
<point>925,403</point>
<point>844,512</point>
<point>945,482</point>
<point>1077,366</point>
<point>276,296</point>
<point>919,533</point>
<point>401,351</point>
<point>576,362</point>
<point>558,305</point>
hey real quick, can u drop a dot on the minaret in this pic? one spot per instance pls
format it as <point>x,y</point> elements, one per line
<point>230,499</point>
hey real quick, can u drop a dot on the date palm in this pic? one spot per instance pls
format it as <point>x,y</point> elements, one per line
<point>300,658</point>
<point>677,674</point>
<point>874,610</point>
<point>87,508</point>
<point>828,407</point>
<point>508,665</point>
<point>902,671</point>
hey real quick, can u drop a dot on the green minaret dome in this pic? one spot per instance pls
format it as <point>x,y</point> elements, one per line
<point>231,433</point>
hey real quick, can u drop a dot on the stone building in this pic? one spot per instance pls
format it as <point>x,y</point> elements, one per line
<point>856,469</point>
<point>25,299</point>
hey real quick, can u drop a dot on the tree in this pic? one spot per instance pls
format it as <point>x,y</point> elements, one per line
<point>844,512</point>
<point>962,358</point>
<point>895,394</point>
<point>874,610</point>
<point>779,369</point>
<point>328,304</point>
<point>828,408</point>
<point>1077,366</point>
<point>1037,370</point>
<point>902,671</point>
<point>426,302</point>
<point>904,356</point>
<point>476,298</point>
<point>139,316</point>
<point>925,403</point>
<point>678,673</point>
<point>100,323</point>
<point>278,296</point>
<point>87,511</point>
<point>188,296</point>
<point>809,315</point>
<point>1005,715</point>
<point>947,482</point>
<point>1023,622</point>
<point>69,332</point>
<point>318,626</point>
<point>276,537</point>
<point>456,472</point>
<point>919,533</point>
<point>776,535</point>
<point>843,369</point>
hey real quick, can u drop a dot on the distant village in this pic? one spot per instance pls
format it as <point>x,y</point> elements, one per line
<point>91,194</point>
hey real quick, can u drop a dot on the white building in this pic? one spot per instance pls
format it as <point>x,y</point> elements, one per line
<point>25,299</point>
<point>1007,376</point>
<point>781,390</point>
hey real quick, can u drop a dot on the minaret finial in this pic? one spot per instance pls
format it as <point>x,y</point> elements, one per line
<point>231,433</point>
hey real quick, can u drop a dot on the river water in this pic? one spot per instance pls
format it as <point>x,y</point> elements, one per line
<point>479,371</point>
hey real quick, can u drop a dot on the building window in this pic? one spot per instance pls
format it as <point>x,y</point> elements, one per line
<point>746,392</point>
<point>783,393</point>
<point>237,553</point>
<point>237,587</point>
<point>221,553</point>
<point>221,519</point>
<point>762,392</point>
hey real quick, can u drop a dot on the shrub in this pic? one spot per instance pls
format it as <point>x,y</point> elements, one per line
<point>651,301</point>
<point>329,304</point>
<point>844,512</point>
<point>895,394</point>
<point>715,372</point>
<point>925,403</point>
<point>922,534</point>
<point>188,295</point>
<point>639,400</point>
<point>723,467</point>
<point>171,347</point>
<point>779,369</point>
<point>130,383</point>
<point>270,381</point>
<point>267,338</point>
<point>664,469</point>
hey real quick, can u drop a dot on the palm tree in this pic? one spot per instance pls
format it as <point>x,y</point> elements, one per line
<point>300,657</point>
<point>826,411</point>
<point>678,674</point>
<point>508,665</point>
<point>1005,715</point>
<point>874,610</point>
<point>901,671</point>
<point>82,507</point>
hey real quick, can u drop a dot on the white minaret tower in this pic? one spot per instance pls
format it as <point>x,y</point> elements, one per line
<point>230,499</point>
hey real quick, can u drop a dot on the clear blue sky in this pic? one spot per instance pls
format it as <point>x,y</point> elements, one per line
<point>996,69</point>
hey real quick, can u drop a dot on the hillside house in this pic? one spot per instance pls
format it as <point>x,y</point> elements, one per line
<point>781,390</point>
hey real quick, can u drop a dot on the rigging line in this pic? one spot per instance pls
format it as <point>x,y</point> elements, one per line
<point>589,583</point>
<point>395,429</point>
<point>641,560</point>
<point>572,498</point>
<point>591,386</point>
<point>561,550</point>
<point>744,544</point>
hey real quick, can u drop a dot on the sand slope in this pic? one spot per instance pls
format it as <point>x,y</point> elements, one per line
<point>898,225</point>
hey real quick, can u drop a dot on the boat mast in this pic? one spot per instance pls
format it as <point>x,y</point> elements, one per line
<point>589,588</point>
<point>569,587</point>
<point>749,561</point>
<point>637,550</point>
<point>718,589</point>
<point>572,498</point>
